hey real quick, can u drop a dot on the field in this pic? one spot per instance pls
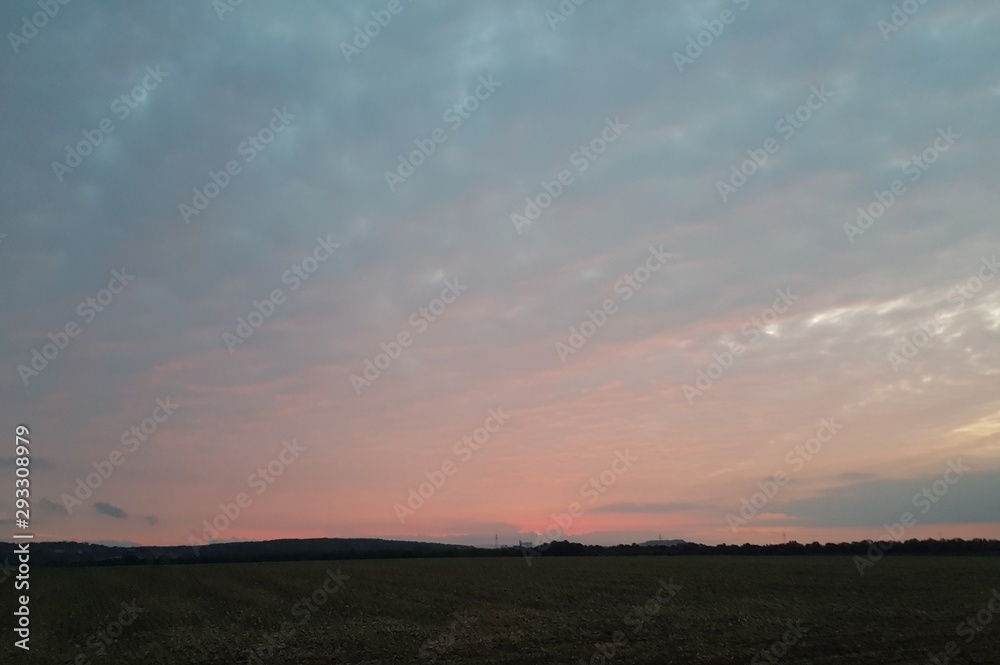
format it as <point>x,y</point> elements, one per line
<point>720,610</point>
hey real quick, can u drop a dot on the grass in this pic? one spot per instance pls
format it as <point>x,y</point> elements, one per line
<point>558,610</point>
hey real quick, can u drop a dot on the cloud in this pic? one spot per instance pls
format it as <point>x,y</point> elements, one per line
<point>855,476</point>
<point>49,507</point>
<point>972,499</point>
<point>669,507</point>
<point>111,511</point>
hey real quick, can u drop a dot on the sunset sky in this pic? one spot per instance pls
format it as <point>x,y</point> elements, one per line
<point>624,266</point>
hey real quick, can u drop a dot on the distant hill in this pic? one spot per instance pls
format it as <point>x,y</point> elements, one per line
<point>89,554</point>
<point>663,543</point>
<point>318,549</point>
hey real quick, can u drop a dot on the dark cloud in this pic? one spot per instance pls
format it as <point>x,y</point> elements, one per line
<point>111,511</point>
<point>49,507</point>
<point>971,499</point>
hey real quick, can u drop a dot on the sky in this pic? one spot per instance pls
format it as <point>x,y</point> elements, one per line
<point>520,271</point>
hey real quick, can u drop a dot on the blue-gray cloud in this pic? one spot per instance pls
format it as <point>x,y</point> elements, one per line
<point>972,499</point>
<point>668,507</point>
<point>105,508</point>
